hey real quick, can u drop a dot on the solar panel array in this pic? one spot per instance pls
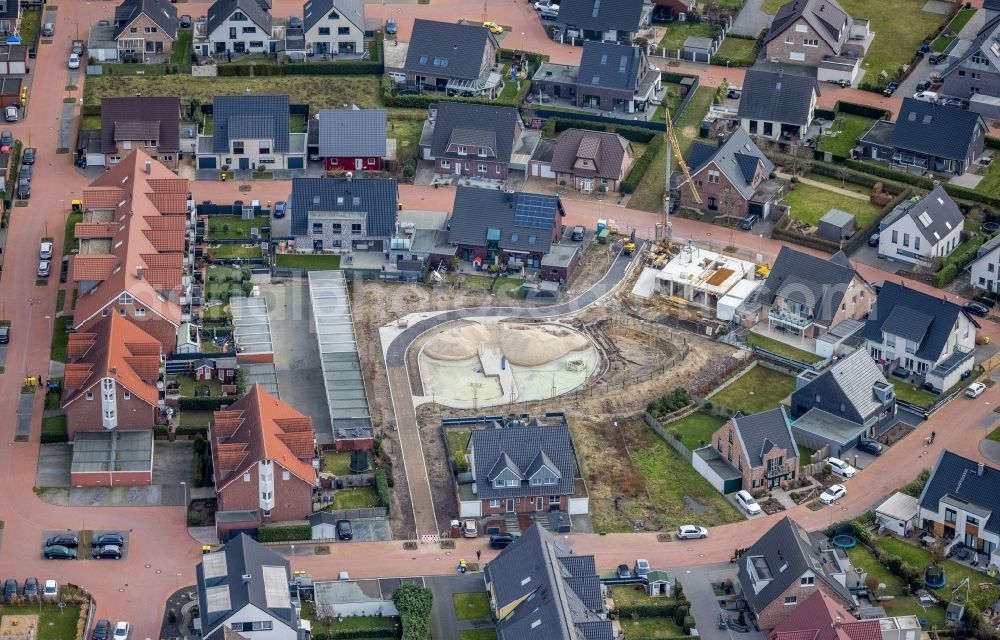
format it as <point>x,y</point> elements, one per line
<point>534,212</point>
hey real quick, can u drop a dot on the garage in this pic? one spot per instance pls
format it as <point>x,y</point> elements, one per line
<point>206,163</point>
<point>839,69</point>
<point>719,473</point>
<point>540,165</point>
<point>296,162</point>
<point>898,513</point>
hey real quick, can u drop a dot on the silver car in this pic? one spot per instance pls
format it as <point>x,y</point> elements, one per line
<point>43,268</point>
<point>687,531</point>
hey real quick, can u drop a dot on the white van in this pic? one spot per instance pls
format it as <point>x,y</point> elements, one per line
<point>745,500</point>
<point>926,96</point>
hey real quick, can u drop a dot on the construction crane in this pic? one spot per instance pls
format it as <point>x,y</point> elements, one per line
<point>676,148</point>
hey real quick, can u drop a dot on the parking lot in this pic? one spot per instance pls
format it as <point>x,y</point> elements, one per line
<point>370,530</point>
<point>84,538</point>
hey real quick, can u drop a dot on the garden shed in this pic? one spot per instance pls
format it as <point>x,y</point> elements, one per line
<point>898,513</point>
<point>658,583</point>
<point>698,49</point>
<point>836,225</point>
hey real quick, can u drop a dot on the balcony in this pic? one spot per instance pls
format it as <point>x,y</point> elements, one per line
<point>778,471</point>
<point>789,319</point>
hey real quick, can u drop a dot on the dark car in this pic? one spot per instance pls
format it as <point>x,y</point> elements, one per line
<point>578,233</point>
<point>237,207</point>
<point>623,571</point>
<point>4,334</point>
<point>59,552</point>
<point>976,308</point>
<point>30,588</point>
<point>923,85</point>
<point>6,139</point>
<point>28,157</point>
<point>733,94</point>
<point>295,22</point>
<point>501,540</point>
<point>937,58</point>
<point>390,27</point>
<point>871,446</point>
<point>102,629</point>
<point>9,589</point>
<point>344,531</point>
<point>63,540</point>
<point>108,551</point>
<point>749,221</point>
<point>24,188</point>
<point>548,14</point>
<point>185,22</point>
<point>890,88</point>
<point>279,209</point>
<point>873,239</point>
<point>958,103</point>
<point>108,538</point>
<point>26,171</point>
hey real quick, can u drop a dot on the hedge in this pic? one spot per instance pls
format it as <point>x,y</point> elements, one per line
<point>421,101</point>
<point>955,191</point>
<point>191,431</point>
<point>860,110</point>
<point>284,532</point>
<point>354,634</point>
<point>642,165</point>
<point>382,487</point>
<point>633,134</point>
<point>204,404</point>
<point>945,275</point>
<point>414,605</point>
<point>657,610</point>
<point>345,68</point>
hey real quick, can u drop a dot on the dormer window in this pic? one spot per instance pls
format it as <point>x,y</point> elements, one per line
<point>461,150</point>
<point>482,152</point>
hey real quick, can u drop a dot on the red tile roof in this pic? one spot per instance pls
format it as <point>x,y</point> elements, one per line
<point>818,617</point>
<point>94,267</point>
<point>85,230</point>
<point>863,630</point>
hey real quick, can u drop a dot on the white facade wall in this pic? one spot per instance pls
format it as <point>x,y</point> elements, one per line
<point>902,241</point>
<point>985,271</point>
<point>279,630</point>
<point>328,36</point>
<point>256,41</point>
<point>961,518</point>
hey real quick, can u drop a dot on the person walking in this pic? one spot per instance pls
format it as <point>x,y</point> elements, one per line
<point>479,554</point>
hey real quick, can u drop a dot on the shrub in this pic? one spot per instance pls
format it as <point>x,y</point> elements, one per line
<point>641,166</point>
<point>916,487</point>
<point>680,612</point>
<point>382,487</point>
<point>284,532</point>
<point>688,624</point>
<point>204,404</point>
<point>414,605</point>
<point>651,610</point>
<point>946,275</point>
<point>668,403</point>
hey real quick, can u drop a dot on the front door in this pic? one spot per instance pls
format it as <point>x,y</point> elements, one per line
<point>359,164</point>
<point>510,505</point>
<point>244,163</point>
<point>458,168</point>
<point>556,91</point>
<point>539,503</point>
<point>586,185</point>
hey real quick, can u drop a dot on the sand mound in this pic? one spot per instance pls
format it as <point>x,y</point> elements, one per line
<point>525,345</point>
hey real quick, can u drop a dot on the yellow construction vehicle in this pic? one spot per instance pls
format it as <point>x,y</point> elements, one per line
<point>628,247</point>
<point>763,271</point>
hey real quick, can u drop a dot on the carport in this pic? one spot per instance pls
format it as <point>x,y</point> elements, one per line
<point>898,513</point>
<point>817,429</point>
<point>347,598</point>
<point>251,330</point>
<point>262,374</point>
<point>112,458</point>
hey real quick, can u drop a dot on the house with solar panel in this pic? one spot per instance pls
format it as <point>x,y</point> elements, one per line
<point>511,230</point>
<point>343,215</point>
<point>252,133</point>
<point>349,139</point>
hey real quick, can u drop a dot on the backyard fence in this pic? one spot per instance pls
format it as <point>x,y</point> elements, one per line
<point>676,444</point>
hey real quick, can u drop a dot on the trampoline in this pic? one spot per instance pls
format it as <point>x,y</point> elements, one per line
<point>844,541</point>
<point>934,578</point>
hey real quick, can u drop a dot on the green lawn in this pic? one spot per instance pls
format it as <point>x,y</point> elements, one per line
<point>761,389</point>
<point>234,227</point>
<point>841,184</point>
<point>181,53</point>
<point>909,393</point>
<point>678,32</point>
<point>955,26</point>
<point>405,125</point>
<point>195,418</point>
<point>355,498</point>
<point>954,572</point>
<point>739,51</point>
<point>771,7</point>
<point>941,43</point>
<point>805,454</point>
<point>782,349</point>
<point>696,429</point>
<point>994,435</point>
<point>477,634</point>
<point>188,385</point>
<point>59,338</point>
<point>222,273</point>
<point>298,123</point>
<point>849,128</point>
<point>648,195</point>
<point>458,442</point>
<point>902,604</point>
<point>29,27</point>
<point>53,623</point>
<point>55,428</point>
<point>331,626</point>
<point>336,462</point>
<point>471,606</point>
<point>230,251</point>
<point>217,312</point>
<point>69,242</point>
<point>308,261</point>
<point>809,203</point>
<point>650,628</point>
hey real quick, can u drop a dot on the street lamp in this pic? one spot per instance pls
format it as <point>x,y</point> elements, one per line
<point>184,484</point>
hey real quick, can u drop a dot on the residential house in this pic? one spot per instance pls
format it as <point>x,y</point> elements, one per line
<point>152,124</point>
<point>9,13</point>
<point>589,161</point>
<point>524,466</point>
<point>471,139</point>
<point>145,30</point>
<point>343,215</point>
<point>975,69</point>
<point>777,105</point>
<point>515,230</point>
<point>820,617</point>
<point>759,447</point>
<point>459,59</point>
<point>808,295</point>
<point>921,229</point>
<point>821,35</point>
<point>222,369</point>
<point>927,335</point>
<point>594,20</point>
<point>237,26</point>
<point>610,77</point>
<point>927,137</point>
<point>985,268</point>
<point>959,502</point>
<point>669,10</point>
<point>243,592</point>
<point>263,457</point>
<point>252,133</point>
<point>732,178</point>
<point>541,591</point>
<point>334,27</point>
<point>134,258</point>
<point>113,377</point>
<point>845,403</point>
<point>352,139</point>
<point>784,567</point>
<point>992,9</point>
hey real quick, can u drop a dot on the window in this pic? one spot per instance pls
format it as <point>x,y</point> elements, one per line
<point>238,16</point>
<point>285,475</point>
<point>324,31</point>
<point>789,39</point>
<point>768,129</point>
<point>121,312</point>
<point>801,28</point>
<point>238,147</point>
<point>133,30</point>
<point>246,477</point>
<point>790,600</point>
<point>482,167</point>
<point>906,239</point>
<point>446,164</point>
<point>950,515</point>
<point>343,31</point>
<point>513,482</point>
<point>265,147</point>
<point>806,581</point>
<point>971,520</point>
<point>916,243</point>
<point>90,395</point>
<point>990,267</point>
<point>461,150</point>
<point>356,227</point>
<point>811,42</point>
<point>249,29</point>
<point>104,312</point>
<point>317,227</point>
<point>336,227</point>
<point>499,483</point>
<point>266,513</point>
<point>482,152</point>
<point>140,312</point>
<point>125,298</point>
<point>961,73</point>
<point>895,236</point>
<point>796,56</point>
<point>730,436</point>
<point>536,481</point>
<point>126,395</point>
<point>713,177</point>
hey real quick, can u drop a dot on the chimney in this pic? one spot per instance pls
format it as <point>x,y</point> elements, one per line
<point>149,167</point>
<point>138,273</point>
<point>980,468</point>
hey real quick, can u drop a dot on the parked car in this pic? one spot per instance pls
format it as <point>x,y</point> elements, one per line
<point>975,390</point>
<point>958,103</point>
<point>122,631</point>
<point>833,493</point>
<point>642,568</point>
<point>44,267</point>
<point>102,628</point>
<point>63,540</point>
<point>237,207</point>
<point>748,222</point>
<point>841,468</point>
<point>745,500</point>
<point>10,589</point>
<point>30,587</point>
<point>733,94</point>
<point>108,538</point>
<point>873,239</point>
<point>469,529</point>
<point>937,58</point>
<point>542,5</point>
<point>977,308</point>
<point>390,27</point>
<point>28,156</point>
<point>48,29</point>
<point>923,85</point>
<point>4,334</point>
<point>344,530</point>
<point>59,552</point>
<point>51,590</point>
<point>6,140</point>
<point>501,540</point>
<point>279,209</point>
<point>45,251</point>
<point>926,96</point>
<point>107,552</point>
<point>548,14</point>
<point>871,446</point>
<point>890,88</point>
<point>186,22</point>
<point>74,61</point>
<point>24,188</point>
<point>26,171</point>
<point>10,114</point>
<point>623,571</point>
<point>295,22</point>
<point>578,233</point>
<point>688,531</point>
<point>77,47</point>
<point>493,27</point>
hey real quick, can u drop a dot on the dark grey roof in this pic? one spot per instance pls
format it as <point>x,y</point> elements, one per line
<point>777,96</point>
<point>376,197</point>
<point>784,553</point>
<point>987,36</point>
<point>517,446</point>
<point>447,49</point>
<point>737,157</point>
<point>501,121</point>
<point>760,432</point>
<point>10,9</point>
<point>556,593</point>
<point>942,214</point>
<point>960,479</point>
<point>850,383</point>
<point>220,11</point>
<point>604,149</point>
<point>164,114</point>
<point>316,10</point>
<point>814,282</point>
<point>602,15</point>
<point>477,212</point>
<point>993,5</point>
<point>610,65</point>
<point>244,556</point>
<point>899,308</point>
<point>935,129</point>
<point>352,133</point>
<point>826,17</point>
<point>162,12</point>
<point>545,149</point>
<point>250,116</point>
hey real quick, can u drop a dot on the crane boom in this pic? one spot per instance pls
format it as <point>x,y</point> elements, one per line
<point>676,146</point>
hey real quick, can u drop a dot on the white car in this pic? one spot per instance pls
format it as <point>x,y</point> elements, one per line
<point>687,531</point>
<point>43,268</point>
<point>45,251</point>
<point>51,589</point>
<point>833,493</point>
<point>546,5</point>
<point>975,390</point>
<point>642,568</point>
<point>122,630</point>
<point>841,468</point>
<point>10,114</point>
<point>745,500</point>
<point>74,61</point>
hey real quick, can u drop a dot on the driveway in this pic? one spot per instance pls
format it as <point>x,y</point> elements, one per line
<point>444,623</point>
<point>705,605</point>
<point>751,20</point>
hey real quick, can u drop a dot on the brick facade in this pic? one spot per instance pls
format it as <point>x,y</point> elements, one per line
<point>525,505</point>
<point>86,415</point>
<point>780,50</point>
<point>125,147</point>
<point>755,480</point>
<point>777,611</point>
<point>727,199</point>
<point>479,167</point>
<point>156,42</point>
<point>292,497</point>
